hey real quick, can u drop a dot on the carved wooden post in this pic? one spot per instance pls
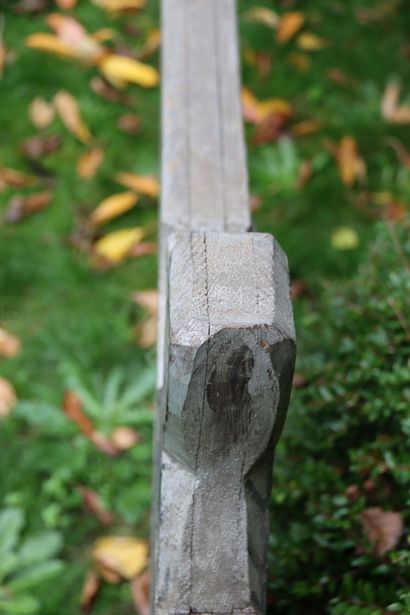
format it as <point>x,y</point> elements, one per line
<point>226,338</point>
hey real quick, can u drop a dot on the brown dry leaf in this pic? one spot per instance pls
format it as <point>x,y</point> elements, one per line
<point>10,345</point>
<point>305,173</point>
<point>129,123</point>
<point>310,42</point>
<point>124,555</point>
<point>339,77</point>
<point>8,397</point>
<point>112,6</point>
<point>69,112</point>
<point>147,330</point>
<point>145,248</point>
<point>36,148</point>
<point>391,111</point>
<point>103,444</point>
<point>41,113</point>
<point>100,87</point>
<point>3,55</point>
<point>73,408</point>
<point>289,25</point>
<point>351,165</point>
<point>66,5</point>
<point>140,591</point>
<point>383,529</point>
<point>112,207</point>
<point>123,69</point>
<point>89,163</point>
<point>263,15</point>
<point>21,206</point>
<point>15,179</point>
<point>89,591</point>
<point>142,184</point>
<point>114,247</point>
<point>93,503</point>
<point>256,111</point>
<point>124,438</point>
<point>307,127</point>
<point>301,61</point>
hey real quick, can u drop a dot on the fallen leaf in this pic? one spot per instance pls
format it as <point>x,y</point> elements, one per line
<point>351,165</point>
<point>69,112</point>
<point>125,69</point>
<point>36,148</point>
<point>89,591</point>
<point>21,206</point>
<point>140,591</point>
<point>8,397</point>
<point>383,529</point>
<point>142,184</point>
<point>352,493</point>
<point>66,5</point>
<point>339,77</point>
<point>93,503</point>
<point>263,15</point>
<point>129,123</point>
<point>89,163</point>
<point>300,61</point>
<point>256,111</point>
<point>3,55</point>
<point>49,43</point>
<point>298,288</point>
<point>113,6</point>
<point>299,380</point>
<point>104,34</point>
<point>307,127</point>
<point>30,7</point>
<point>151,45</point>
<point>73,408</point>
<point>115,246</point>
<point>72,33</point>
<point>310,42</point>
<point>124,438</point>
<point>15,179</point>
<point>41,113</point>
<point>345,238</point>
<point>112,207</point>
<point>289,24</point>
<point>401,152</point>
<point>124,555</point>
<point>10,345</point>
<point>147,330</point>
<point>100,87</point>
<point>271,129</point>
<point>145,248</point>
<point>391,111</point>
<point>305,173</point>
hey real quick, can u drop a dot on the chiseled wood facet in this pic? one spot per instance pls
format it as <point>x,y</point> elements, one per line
<point>226,342</point>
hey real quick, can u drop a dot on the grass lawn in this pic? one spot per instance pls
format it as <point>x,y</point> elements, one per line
<point>323,173</point>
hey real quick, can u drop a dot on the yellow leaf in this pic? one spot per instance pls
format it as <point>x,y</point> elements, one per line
<point>69,111</point>
<point>345,238</point>
<point>8,397</point>
<point>41,113</point>
<point>104,34</point>
<point>50,44</point>
<point>10,345</point>
<point>123,555</point>
<point>89,163</point>
<point>119,5</point>
<point>289,25</point>
<point>143,184</point>
<point>263,15</point>
<point>115,246</point>
<point>129,70</point>
<point>310,42</point>
<point>112,207</point>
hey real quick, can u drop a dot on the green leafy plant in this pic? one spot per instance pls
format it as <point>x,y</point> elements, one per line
<point>25,563</point>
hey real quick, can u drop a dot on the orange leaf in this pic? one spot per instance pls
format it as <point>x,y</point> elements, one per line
<point>89,591</point>
<point>49,43</point>
<point>93,503</point>
<point>89,163</point>
<point>15,179</point>
<point>256,111</point>
<point>351,165</point>
<point>8,398</point>
<point>112,207</point>
<point>142,184</point>
<point>289,24</point>
<point>73,408</point>
<point>69,112</point>
<point>66,5</point>
<point>10,345</point>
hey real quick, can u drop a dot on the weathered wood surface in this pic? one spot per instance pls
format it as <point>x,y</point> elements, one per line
<point>226,342</point>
